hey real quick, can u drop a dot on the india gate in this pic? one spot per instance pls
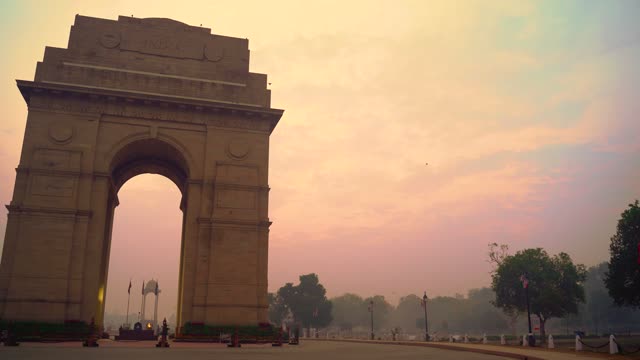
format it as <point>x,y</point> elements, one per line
<point>124,98</point>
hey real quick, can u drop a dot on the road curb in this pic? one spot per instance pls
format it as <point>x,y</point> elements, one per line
<point>439,346</point>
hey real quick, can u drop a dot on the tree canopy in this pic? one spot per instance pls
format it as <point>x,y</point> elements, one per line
<point>306,301</point>
<point>407,311</point>
<point>348,311</point>
<point>555,284</point>
<point>381,311</point>
<point>623,278</point>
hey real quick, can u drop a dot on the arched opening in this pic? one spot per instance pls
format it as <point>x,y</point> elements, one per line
<point>142,235</point>
<point>145,244</point>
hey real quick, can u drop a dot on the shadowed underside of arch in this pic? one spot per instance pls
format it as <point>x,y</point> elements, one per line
<point>149,156</point>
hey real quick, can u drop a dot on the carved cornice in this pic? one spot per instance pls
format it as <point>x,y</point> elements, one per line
<point>229,305</point>
<point>242,223</point>
<point>94,100</point>
<point>227,185</point>
<point>48,211</point>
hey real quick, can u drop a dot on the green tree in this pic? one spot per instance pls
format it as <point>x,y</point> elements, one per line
<point>623,278</point>
<point>278,310</point>
<point>307,301</point>
<point>497,254</point>
<point>555,284</point>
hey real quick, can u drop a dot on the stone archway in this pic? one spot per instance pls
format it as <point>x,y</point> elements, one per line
<point>139,96</point>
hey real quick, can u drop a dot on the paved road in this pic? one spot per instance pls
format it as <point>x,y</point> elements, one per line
<point>310,350</point>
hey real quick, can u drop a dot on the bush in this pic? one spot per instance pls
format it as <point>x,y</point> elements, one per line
<point>264,332</point>
<point>31,330</point>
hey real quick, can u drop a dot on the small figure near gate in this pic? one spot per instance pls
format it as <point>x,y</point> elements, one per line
<point>163,338</point>
<point>92,338</point>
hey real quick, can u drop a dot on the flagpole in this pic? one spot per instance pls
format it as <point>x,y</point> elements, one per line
<point>128,299</point>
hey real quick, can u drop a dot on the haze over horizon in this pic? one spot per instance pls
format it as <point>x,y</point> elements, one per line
<point>526,113</point>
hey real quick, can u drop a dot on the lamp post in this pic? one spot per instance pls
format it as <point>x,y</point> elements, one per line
<point>426,324</point>
<point>525,284</point>
<point>371,311</point>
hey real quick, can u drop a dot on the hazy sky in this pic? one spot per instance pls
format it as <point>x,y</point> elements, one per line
<point>527,113</point>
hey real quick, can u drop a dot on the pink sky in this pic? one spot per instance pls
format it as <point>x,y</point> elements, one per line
<point>527,113</point>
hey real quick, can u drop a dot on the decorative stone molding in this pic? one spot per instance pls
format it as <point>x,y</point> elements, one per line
<point>61,133</point>
<point>73,100</point>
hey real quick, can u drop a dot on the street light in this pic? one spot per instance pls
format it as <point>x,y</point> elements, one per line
<point>426,324</point>
<point>525,284</point>
<point>371,311</point>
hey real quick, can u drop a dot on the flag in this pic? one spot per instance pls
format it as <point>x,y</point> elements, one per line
<point>142,287</point>
<point>129,289</point>
<point>525,281</point>
<point>156,290</point>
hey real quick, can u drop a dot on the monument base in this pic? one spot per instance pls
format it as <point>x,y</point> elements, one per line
<point>136,335</point>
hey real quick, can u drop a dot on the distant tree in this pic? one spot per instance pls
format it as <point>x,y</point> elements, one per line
<point>596,310</point>
<point>278,310</point>
<point>483,316</point>
<point>406,313</point>
<point>348,311</point>
<point>444,325</point>
<point>600,314</point>
<point>623,278</point>
<point>381,311</point>
<point>454,312</point>
<point>307,301</point>
<point>555,284</point>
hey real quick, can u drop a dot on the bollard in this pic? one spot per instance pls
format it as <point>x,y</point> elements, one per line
<point>502,340</point>
<point>525,342</point>
<point>484,338</point>
<point>235,340</point>
<point>295,339</point>
<point>91,340</point>
<point>551,344</point>
<point>613,345</point>
<point>278,341</point>
<point>578,343</point>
